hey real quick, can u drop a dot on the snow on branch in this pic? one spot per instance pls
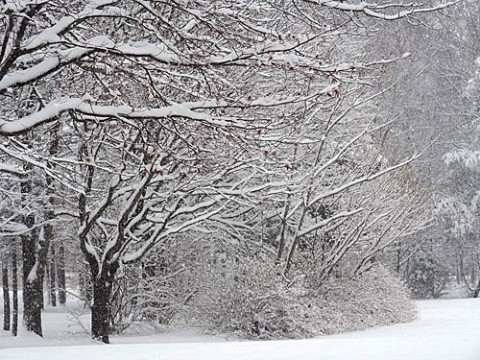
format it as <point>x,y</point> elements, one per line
<point>19,5</point>
<point>52,34</point>
<point>162,233</point>
<point>363,179</point>
<point>12,170</point>
<point>187,110</point>
<point>324,223</point>
<point>390,11</point>
<point>61,105</point>
<point>52,63</point>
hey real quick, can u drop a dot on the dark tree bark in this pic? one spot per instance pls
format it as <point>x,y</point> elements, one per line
<point>62,295</point>
<point>35,250</point>
<point>101,275</point>
<point>15,291</point>
<point>102,291</point>
<point>6,294</point>
<point>47,274</point>
<point>31,304</point>
<point>42,258</point>
<point>52,277</point>
<point>85,285</point>
<point>32,287</point>
<point>32,292</point>
<point>33,258</point>
<point>50,215</point>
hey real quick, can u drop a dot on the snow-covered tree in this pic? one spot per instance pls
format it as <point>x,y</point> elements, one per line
<point>166,111</point>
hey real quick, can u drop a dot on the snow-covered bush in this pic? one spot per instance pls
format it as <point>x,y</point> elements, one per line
<point>253,300</point>
<point>375,298</point>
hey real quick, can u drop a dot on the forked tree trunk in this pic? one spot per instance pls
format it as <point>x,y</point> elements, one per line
<point>6,294</point>
<point>102,291</point>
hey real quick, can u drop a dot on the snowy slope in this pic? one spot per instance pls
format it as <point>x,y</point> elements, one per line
<point>446,330</point>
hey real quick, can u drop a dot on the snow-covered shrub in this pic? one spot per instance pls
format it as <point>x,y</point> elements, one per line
<point>375,298</point>
<point>254,301</point>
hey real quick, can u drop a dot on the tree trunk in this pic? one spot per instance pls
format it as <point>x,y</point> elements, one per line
<point>15,291</point>
<point>398,262</point>
<point>102,291</point>
<point>50,215</point>
<point>295,241</point>
<point>47,273</point>
<point>476,291</point>
<point>62,295</point>
<point>85,285</point>
<point>32,305</point>
<point>283,228</point>
<point>34,260</point>
<point>42,264</point>
<point>32,287</point>
<point>34,254</point>
<point>52,278</point>
<point>6,294</point>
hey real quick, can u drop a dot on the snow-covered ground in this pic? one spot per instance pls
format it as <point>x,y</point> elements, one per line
<point>445,330</point>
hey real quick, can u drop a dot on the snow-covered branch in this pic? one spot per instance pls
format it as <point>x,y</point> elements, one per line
<point>389,11</point>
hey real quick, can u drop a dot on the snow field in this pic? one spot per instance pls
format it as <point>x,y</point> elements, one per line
<point>445,330</point>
